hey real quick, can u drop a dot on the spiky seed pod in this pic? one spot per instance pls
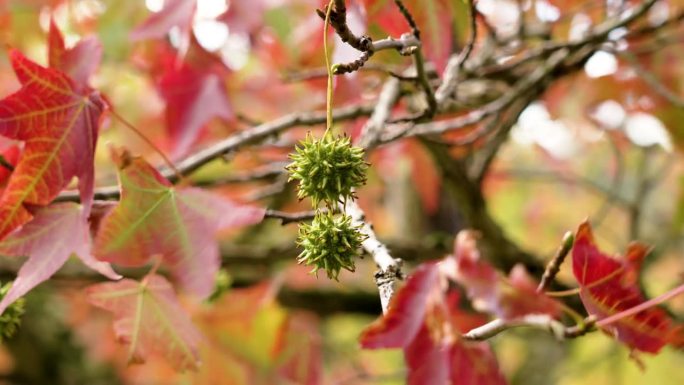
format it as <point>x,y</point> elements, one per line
<point>330,242</point>
<point>11,317</point>
<point>328,169</point>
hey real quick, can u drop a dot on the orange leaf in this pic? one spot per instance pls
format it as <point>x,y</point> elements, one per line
<point>58,122</point>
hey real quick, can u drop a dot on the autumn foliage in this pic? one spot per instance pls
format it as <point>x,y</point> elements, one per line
<point>158,144</point>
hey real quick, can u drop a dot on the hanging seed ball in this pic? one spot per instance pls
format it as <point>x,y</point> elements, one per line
<point>328,169</point>
<point>330,242</point>
<point>11,317</point>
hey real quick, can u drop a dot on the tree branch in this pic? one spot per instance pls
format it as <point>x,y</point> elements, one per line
<point>390,268</point>
<point>544,322</point>
<point>234,142</point>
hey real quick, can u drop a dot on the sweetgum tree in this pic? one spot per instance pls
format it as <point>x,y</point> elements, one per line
<point>228,192</point>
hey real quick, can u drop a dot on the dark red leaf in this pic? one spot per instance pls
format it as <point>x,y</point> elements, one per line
<point>424,320</point>
<point>399,326</point>
<point>193,98</point>
<point>608,286</point>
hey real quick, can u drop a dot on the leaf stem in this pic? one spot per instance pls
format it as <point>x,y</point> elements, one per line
<point>142,136</point>
<point>641,307</point>
<point>329,69</point>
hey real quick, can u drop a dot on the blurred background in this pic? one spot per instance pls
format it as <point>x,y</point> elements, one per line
<point>602,141</point>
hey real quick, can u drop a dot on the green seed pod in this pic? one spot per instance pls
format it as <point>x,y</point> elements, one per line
<point>11,317</point>
<point>329,242</point>
<point>328,169</point>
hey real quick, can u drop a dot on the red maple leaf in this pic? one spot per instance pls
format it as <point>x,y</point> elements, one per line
<point>194,96</point>
<point>504,297</point>
<point>425,321</point>
<point>55,233</point>
<point>609,286</point>
<point>58,120</point>
<point>80,61</point>
<point>179,224</point>
<point>10,155</point>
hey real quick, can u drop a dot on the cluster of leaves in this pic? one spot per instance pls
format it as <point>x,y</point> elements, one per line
<point>57,117</point>
<point>429,320</point>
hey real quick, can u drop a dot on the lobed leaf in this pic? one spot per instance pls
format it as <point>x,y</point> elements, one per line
<point>55,233</point>
<point>58,121</point>
<point>193,98</point>
<point>179,224</point>
<point>148,318</point>
<point>80,61</point>
<point>425,320</point>
<point>609,286</point>
<point>504,297</point>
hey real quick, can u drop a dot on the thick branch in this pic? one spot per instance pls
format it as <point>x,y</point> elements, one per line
<point>390,268</point>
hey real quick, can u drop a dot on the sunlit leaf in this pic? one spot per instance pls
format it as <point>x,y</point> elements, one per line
<point>58,121</point>
<point>179,224</point>
<point>55,233</point>
<point>80,61</point>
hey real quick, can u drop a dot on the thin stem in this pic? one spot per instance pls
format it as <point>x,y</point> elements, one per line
<point>329,69</point>
<point>142,136</point>
<point>554,266</point>
<point>641,307</point>
<point>6,164</point>
<point>286,218</point>
<point>409,18</point>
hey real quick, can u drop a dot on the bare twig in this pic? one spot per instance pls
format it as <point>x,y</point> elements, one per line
<point>286,218</point>
<point>253,135</point>
<point>554,265</point>
<point>544,322</point>
<point>482,159</point>
<point>478,115</point>
<point>456,62</point>
<point>263,173</point>
<point>389,268</point>
<point>424,82</point>
<point>373,128</point>
<point>338,20</point>
<point>409,18</point>
<point>651,79</point>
